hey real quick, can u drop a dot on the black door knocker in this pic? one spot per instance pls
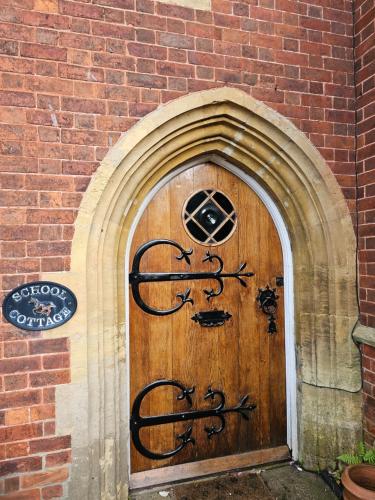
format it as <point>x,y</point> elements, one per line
<point>267,299</point>
<point>218,411</point>
<point>136,277</point>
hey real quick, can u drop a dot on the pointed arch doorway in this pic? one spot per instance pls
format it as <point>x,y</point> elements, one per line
<point>266,147</point>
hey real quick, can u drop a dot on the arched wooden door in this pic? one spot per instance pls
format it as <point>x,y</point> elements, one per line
<point>206,209</point>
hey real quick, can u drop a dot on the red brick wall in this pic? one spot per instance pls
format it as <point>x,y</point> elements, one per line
<point>368,373</point>
<point>74,75</point>
<point>365,90</point>
<point>31,456</point>
<point>364,42</point>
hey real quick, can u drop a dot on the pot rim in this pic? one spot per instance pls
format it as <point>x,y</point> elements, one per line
<point>348,482</point>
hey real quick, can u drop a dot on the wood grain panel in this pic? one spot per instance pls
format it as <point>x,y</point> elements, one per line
<point>238,358</point>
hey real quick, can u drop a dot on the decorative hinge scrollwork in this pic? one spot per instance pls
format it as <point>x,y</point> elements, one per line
<point>136,277</point>
<point>137,422</point>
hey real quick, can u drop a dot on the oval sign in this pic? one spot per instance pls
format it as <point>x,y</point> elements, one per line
<point>40,305</point>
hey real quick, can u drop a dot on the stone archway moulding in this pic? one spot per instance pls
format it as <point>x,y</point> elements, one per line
<point>228,123</point>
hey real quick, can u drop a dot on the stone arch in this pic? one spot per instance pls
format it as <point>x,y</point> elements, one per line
<point>229,123</point>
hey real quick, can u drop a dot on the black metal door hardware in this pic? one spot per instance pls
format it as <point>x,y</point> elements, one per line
<point>136,277</point>
<point>211,318</point>
<point>267,299</point>
<point>279,280</point>
<point>219,411</point>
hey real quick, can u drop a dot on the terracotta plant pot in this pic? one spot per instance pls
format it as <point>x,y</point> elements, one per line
<point>359,482</point>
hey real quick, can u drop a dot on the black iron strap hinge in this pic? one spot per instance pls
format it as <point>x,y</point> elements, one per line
<point>137,422</point>
<point>136,277</point>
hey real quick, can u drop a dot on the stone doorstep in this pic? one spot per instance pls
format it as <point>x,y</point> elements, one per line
<point>275,482</point>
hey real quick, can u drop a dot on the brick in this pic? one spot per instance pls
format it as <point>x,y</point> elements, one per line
<point>11,64</point>
<point>42,412</point>
<point>46,5</point>
<point>174,69</point>
<point>48,134</point>
<point>14,450</point>
<point>268,95</point>
<point>80,73</point>
<point>12,349</point>
<point>11,181</point>
<point>120,4</point>
<point>50,377</point>
<point>235,36</point>
<point>144,80</point>
<point>18,198</point>
<point>43,478</point>
<point>11,484</point>
<point>49,428</point>
<point>14,365</point>
<point>16,32</point>
<point>227,76</point>
<point>15,382</point>
<point>40,51</point>
<point>16,416</point>
<point>147,51</point>
<point>10,282</point>
<point>23,495</point>
<point>13,249</point>
<point>23,99</point>
<point>60,458</point>
<point>50,492</point>
<point>11,148</point>
<point>81,10</point>
<point>20,432</point>
<point>175,11</point>
<point>43,346</point>
<point>145,6</point>
<point>50,216</point>
<point>226,21</point>
<point>10,15</point>
<point>47,20</point>
<point>48,248</point>
<point>8,47</point>
<point>49,183</point>
<point>87,137</point>
<point>176,40</point>
<point>49,37</point>
<point>113,31</point>
<point>114,61</point>
<point>82,41</point>
<point>16,215</point>
<point>316,74</point>
<point>49,395</point>
<point>39,117</point>
<point>114,123</point>
<point>25,464</point>
<point>204,59</point>
<point>50,444</point>
<point>241,9</point>
<point>83,105</point>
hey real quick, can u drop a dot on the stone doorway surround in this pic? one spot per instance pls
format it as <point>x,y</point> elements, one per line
<point>266,146</point>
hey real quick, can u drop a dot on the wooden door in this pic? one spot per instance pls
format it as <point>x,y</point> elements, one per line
<point>239,357</point>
